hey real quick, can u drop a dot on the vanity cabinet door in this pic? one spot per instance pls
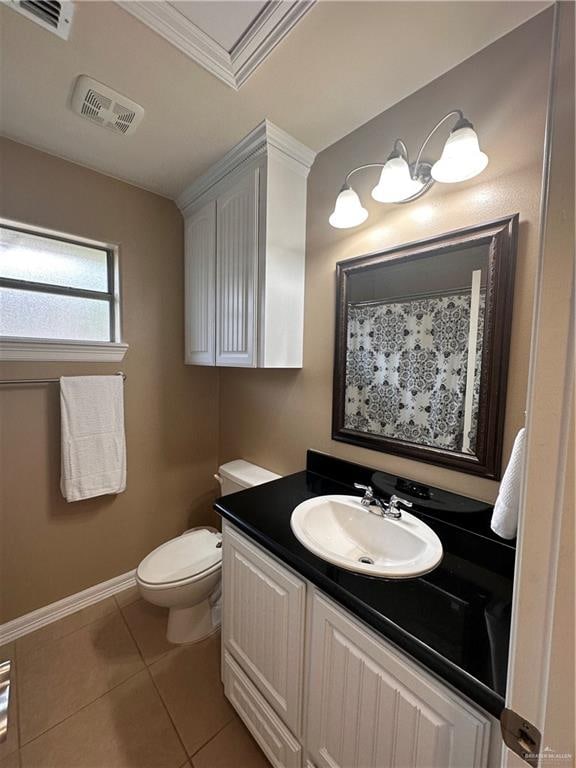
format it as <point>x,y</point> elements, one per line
<point>237,272</point>
<point>199,279</point>
<point>370,707</point>
<point>263,624</point>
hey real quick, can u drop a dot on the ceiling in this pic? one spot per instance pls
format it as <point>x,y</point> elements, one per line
<point>225,20</point>
<point>341,65</point>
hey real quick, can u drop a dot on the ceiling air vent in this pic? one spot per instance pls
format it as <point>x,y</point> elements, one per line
<point>101,105</point>
<point>54,16</point>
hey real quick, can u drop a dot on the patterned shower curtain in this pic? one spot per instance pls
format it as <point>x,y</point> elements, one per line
<point>406,369</point>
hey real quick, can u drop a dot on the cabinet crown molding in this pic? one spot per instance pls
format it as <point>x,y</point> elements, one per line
<point>264,137</point>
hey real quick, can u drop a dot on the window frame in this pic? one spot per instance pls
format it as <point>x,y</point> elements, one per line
<point>29,348</point>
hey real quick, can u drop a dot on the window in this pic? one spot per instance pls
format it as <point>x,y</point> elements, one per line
<point>56,289</point>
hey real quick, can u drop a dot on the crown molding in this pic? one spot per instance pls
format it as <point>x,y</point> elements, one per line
<point>259,141</point>
<point>270,26</point>
<point>232,67</point>
<point>279,139</point>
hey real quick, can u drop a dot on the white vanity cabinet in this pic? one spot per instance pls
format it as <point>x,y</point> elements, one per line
<point>369,706</point>
<point>245,231</point>
<point>319,689</point>
<point>263,623</point>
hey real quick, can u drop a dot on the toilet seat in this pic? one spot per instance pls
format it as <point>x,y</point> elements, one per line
<point>182,560</point>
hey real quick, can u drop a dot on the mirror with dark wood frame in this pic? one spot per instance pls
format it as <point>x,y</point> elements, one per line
<point>422,343</point>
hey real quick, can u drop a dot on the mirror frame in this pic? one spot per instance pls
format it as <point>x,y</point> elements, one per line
<point>501,238</point>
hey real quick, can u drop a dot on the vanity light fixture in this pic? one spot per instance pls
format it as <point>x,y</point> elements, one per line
<point>401,182</point>
<point>348,211</point>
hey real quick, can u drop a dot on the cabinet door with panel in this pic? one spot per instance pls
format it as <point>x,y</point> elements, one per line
<point>200,283</point>
<point>263,624</point>
<point>370,707</point>
<point>237,271</point>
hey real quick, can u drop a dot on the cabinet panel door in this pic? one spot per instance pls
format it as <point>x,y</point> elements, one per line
<point>200,286</point>
<point>369,707</point>
<point>237,272</point>
<point>263,624</point>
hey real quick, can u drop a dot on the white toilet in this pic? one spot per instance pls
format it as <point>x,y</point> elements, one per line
<point>184,573</point>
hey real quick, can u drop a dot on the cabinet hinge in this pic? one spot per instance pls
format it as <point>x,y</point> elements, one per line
<point>521,736</point>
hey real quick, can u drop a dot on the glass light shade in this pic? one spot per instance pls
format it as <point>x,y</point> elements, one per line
<point>396,183</point>
<point>348,211</point>
<point>461,158</point>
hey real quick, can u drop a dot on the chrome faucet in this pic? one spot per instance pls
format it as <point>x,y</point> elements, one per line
<point>384,509</point>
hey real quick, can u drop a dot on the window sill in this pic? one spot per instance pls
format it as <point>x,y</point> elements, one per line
<point>46,350</point>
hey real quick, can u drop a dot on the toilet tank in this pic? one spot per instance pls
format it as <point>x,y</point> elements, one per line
<point>239,474</point>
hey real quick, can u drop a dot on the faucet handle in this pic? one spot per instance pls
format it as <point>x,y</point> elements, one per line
<point>395,500</point>
<point>368,497</point>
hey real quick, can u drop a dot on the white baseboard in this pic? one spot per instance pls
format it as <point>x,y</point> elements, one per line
<point>30,622</point>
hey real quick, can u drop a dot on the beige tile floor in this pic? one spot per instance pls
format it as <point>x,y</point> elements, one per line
<point>104,689</point>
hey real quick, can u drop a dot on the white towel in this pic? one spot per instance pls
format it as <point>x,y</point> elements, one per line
<point>93,440</point>
<point>505,514</point>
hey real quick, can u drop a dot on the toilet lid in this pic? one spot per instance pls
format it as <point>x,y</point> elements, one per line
<point>182,558</point>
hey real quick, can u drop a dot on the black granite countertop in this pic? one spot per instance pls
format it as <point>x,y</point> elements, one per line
<point>455,620</point>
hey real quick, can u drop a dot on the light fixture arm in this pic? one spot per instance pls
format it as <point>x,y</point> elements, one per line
<point>432,132</point>
<point>403,149</point>
<point>360,168</point>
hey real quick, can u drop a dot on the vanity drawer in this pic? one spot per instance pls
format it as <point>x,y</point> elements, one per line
<point>275,740</point>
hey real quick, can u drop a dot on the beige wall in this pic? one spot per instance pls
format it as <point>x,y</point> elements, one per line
<point>48,548</point>
<point>272,417</point>
<point>269,417</point>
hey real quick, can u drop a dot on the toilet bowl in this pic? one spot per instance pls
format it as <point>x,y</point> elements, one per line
<point>181,575</point>
<point>184,574</point>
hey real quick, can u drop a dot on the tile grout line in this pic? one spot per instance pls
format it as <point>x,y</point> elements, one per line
<point>125,622</point>
<point>176,731</point>
<point>21,743</point>
<point>80,709</point>
<point>151,677</point>
<point>114,597</point>
<point>218,732</point>
<point>170,716</point>
<point>17,662</point>
<point>146,666</point>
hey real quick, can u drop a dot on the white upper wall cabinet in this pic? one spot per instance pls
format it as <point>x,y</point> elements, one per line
<point>199,275</point>
<point>245,236</point>
<point>237,271</point>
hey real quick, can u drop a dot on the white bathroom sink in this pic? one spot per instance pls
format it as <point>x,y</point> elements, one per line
<point>343,532</point>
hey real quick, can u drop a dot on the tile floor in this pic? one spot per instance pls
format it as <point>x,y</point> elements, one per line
<point>102,688</point>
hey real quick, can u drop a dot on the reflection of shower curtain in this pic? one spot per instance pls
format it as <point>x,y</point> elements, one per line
<point>406,369</point>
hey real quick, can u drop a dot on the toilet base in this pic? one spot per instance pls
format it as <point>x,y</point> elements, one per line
<point>190,625</point>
